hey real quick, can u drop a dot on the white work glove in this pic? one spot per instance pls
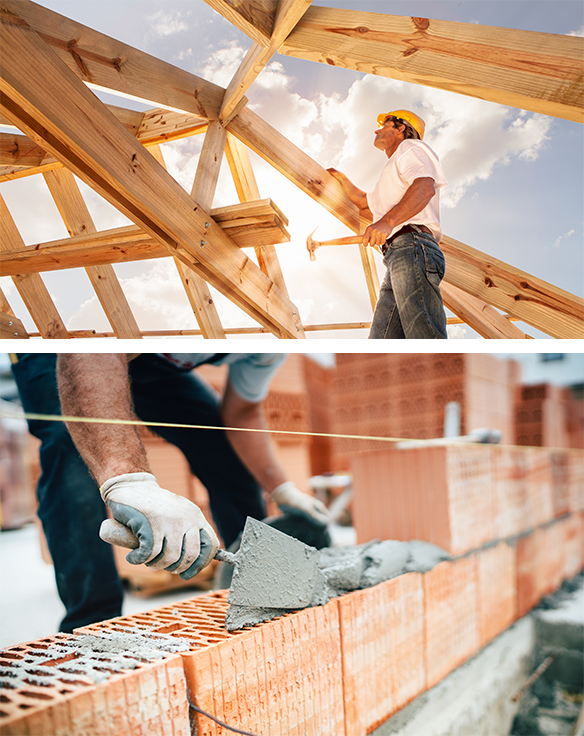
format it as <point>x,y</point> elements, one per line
<point>292,501</point>
<point>172,532</point>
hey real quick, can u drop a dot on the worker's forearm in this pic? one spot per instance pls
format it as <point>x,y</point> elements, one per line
<point>357,196</point>
<point>255,449</point>
<point>97,385</point>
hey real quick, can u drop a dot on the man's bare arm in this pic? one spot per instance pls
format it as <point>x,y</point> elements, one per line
<point>97,385</point>
<point>255,449</point>
<point>416,197</point>
<point>357,196</point>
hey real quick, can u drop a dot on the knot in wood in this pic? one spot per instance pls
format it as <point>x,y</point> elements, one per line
<point>362,29</point>
<point>422,24</point>
<point>488,282</point>
<point>330,61</point>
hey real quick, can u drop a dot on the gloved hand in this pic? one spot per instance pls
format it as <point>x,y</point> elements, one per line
<point>172,532</point>
<point>293,501</point>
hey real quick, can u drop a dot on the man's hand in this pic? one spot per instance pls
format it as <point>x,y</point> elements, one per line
<point>377,233</point>
<point>293,501</point>
<point>172,532</point>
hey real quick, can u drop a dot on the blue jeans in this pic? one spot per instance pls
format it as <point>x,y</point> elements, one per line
<point>70,507</point>
<point>410,304</point>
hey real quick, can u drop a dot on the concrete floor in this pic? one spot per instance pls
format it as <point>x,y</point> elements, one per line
<point>29,605</point>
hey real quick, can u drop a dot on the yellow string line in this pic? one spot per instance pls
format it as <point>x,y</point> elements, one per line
<point>139,423</point>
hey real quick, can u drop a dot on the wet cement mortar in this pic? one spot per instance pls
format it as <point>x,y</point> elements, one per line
<point>85,655</point>
<point>328,573</point>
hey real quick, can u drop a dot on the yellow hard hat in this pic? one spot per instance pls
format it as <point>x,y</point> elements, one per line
<point>410,117</point>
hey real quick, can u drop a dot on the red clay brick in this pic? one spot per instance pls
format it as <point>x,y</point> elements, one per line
<point>451,616</point>
<point>442,495</point>
<point>552,557</point>
<point>576,480</point>
<point>509,491</point>
<point>560,483</point>
<point>496,590</point>
<point>573,535</point>
<point>150,699</point>
<point>282,678</point>
<point>528,562</point>
<point>538,487</point>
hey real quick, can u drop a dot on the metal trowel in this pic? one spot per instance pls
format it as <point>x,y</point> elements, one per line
<point>272,570</point>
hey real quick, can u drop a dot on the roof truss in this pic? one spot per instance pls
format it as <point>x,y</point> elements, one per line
<point>48,62</point>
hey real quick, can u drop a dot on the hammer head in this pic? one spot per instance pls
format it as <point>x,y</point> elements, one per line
<point>312,245</point>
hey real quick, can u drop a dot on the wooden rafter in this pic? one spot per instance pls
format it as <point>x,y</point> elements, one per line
<point>47,101</point>
<point>254,17</point>
<point>541,72</point>
<point>11,328</point>
<point>105,62</point>
<point>73,210</point>
<point>287,16</point>
<point>483,318</point>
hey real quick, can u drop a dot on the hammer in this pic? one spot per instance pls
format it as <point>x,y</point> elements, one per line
<point>312,244</point>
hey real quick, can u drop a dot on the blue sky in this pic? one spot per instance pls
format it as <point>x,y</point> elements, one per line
<point>515,178</point>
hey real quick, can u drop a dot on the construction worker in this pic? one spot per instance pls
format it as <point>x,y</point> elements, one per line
<point>404,207</point>
<point>79,459</point>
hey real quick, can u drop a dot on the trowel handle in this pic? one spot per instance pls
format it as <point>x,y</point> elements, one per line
<point>115,533</point>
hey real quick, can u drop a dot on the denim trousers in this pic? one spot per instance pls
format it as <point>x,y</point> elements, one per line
<point>70,506</point>
<point>410,304</point>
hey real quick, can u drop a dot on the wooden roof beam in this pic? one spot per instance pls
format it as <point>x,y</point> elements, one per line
<point>107,63</point>
<point>49,103</point>
<point>541,72</point>
<point>73,210</point>
<point>531,300</point>
<point>20,157</point>
<point>287,15</point>
<point>30,286</point>
<point>246,224</point>
<point>254,17</point>
<point>483,318</point>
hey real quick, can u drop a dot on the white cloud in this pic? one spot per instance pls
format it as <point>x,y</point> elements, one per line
<point>558,241</point>
<point>579,32</point>
<point>165,24</point>
<point>222,64</point>
<point>456,332</point>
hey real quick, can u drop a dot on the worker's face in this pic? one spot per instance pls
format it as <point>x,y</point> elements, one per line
<point>388,136</point>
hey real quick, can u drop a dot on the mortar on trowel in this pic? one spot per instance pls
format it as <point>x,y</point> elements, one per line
<point>271,569</point>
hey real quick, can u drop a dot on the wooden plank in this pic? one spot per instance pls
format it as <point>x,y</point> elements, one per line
<point>535,302</point>
<point>160,126</point>
<point>30,286</point>
<point>247,190</point>
<point>288,14</point>
<point>247,224</point>
<point>541,72</point>
<point>18,150</point>
<point>106,285</point>
<point>254,17</point>
<point>11,328</point>
<point>196,288</point>
<point>105,62</point>
<point>483,318</point>
<point>55,109</point>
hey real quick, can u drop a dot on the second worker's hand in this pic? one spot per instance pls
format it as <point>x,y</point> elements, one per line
<point>172,532</point>
<point>293,501</point>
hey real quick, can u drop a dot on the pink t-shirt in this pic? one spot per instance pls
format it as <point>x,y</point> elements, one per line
<point>412,160</point>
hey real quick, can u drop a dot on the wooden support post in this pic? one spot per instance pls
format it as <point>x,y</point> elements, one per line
<point>47,101</point>
<point>247,191</point>
<point>77,219</point>
<point>30,286</point>
<point>480,316</point>
<point>541,72</point>
<point>196,288</point>
<point>371,276</point>
<point>535,302</point>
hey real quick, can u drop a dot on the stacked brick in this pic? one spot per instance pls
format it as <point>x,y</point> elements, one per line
<point>405,396</point>
<point>542,416</point>
<point>344,668</point>
<point>318,385</point>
